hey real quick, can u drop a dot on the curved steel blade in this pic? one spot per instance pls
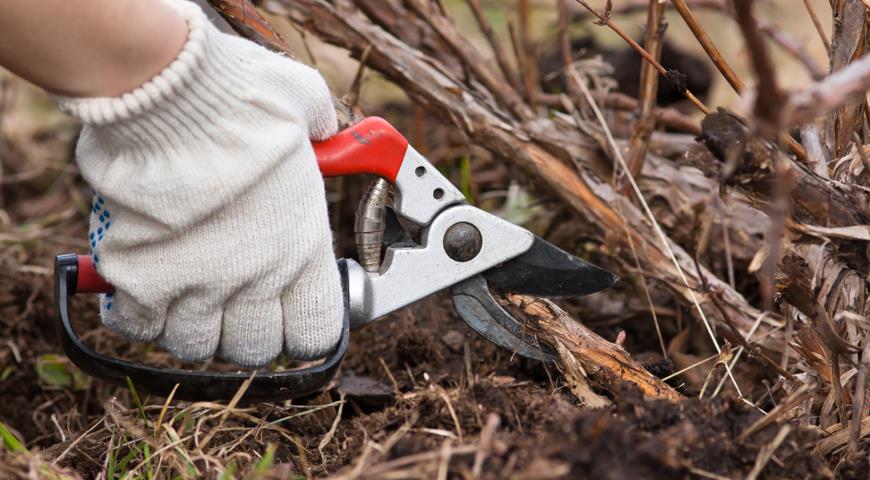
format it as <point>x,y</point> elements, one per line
<point>484,315</point>
<point>546,270</point>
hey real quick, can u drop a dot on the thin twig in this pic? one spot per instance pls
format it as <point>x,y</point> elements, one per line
<point>633,6</point>
<point>768,102</point>
<point>708,46</point>
<point>494,44</point>
<point>472,58</point>
<point>858,401</point>
<point>668,117</point>
<point>649,85</point>
<point>531,75</point>
<point>679,86</point>
<point>724,68</point>
<point>818,25</point>
<point>795,48</point>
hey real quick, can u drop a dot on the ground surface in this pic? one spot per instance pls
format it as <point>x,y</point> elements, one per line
<point>419,395</point>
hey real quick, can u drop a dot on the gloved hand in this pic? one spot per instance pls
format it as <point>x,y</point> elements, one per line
<point>209,215</point>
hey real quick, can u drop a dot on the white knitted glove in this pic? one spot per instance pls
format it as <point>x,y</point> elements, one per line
<point>210,216</point>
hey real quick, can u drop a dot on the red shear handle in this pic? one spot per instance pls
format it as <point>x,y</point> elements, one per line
<point>371,146</point>
<point>87,278</point>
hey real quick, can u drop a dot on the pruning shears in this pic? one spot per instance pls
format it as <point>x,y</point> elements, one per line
<point>459,246</point>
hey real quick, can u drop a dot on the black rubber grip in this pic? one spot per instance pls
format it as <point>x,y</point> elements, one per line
<point>267,386</point>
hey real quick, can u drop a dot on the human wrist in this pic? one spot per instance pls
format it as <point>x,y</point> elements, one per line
<point>87,49</point>
<point>148,93</point>
<point>154,35</point>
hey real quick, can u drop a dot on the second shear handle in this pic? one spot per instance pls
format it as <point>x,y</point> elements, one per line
<point>371,146</point>
<point>75,274</point>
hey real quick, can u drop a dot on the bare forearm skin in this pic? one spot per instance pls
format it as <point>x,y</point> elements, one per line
<point>89,48</point>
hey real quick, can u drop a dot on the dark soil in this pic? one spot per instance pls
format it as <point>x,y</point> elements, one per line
<point>432,357</point>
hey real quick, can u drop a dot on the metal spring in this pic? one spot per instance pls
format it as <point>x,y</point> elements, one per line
<point>370,224</point>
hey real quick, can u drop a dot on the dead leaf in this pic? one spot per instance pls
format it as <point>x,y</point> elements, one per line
<point>853,232</point>
<point>365,389</point>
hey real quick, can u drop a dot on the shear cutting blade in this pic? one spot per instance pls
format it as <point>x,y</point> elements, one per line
<point>545,270</point>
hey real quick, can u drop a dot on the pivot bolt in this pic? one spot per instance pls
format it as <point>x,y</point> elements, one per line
<point>462,242</point>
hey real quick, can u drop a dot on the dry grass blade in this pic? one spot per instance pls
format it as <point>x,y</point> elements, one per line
<point>331,433</point>
<point>858,405</point>
<point>456,424</point>
<point>765,453</point>
<point>748,341</point>
<point>226,411</point>
<point>796,398</point>
<point>159,423</point>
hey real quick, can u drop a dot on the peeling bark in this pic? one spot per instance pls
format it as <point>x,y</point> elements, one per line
<point>607,364</point>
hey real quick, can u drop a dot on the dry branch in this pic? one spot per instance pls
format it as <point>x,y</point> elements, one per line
<point>633,6</point>
<point>849,85</point>
<point>665,116</point>
<point>814,199</point>
<point>247,22</point>
<point>816,23</point>
<point>606,363</point>
<point>494,44</point>
<point>849,41</point>
<point>541,148</point>
<point>472,58</point>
